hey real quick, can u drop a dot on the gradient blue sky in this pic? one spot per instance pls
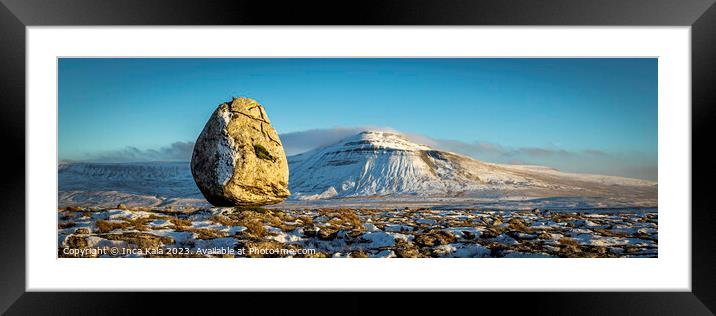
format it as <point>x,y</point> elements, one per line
<point>579,107</point>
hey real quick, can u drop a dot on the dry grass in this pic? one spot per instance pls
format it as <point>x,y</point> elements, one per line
<point>66,225</point>
<point>406,249</point>
<point>179,223</point>
<point>76,242</point>
<point>224,220</point>
<point>141,223</point>
<point>254,219</point>
<point>138,223</point>
<point>355,233</point>
<point>107,226</point>
<point>569,248</point>
<point>287,227</point>
<point>412,252</point>
<point>254,228</point>
<point>141,240</point>
<point>434,237</point>
<point>517,224</point>
<point>490,233</point>
<point>207,233</point>
<point>610,233</point>
<point>184,225</point>
<point>343,219</point>
<point>82,231</point>
<point>254,223</point>
<point>305,220</point>
<point>568,241</point>
<point>257,209</point>
<point>327,233</point>
<point>267,216</point>
<point>358,254</point>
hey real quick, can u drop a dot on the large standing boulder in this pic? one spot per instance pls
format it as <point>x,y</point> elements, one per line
<point>238,158</point>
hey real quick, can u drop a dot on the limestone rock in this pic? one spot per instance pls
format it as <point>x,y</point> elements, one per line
<point>238,158</point>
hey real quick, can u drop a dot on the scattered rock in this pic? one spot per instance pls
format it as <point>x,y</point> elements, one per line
<point>434,237</point>
<point>82,231</point>
<point>408,252</point>
<point>358,254</point>
<point>76,242</point>
<point>310,231</point>
<point>489,233</point>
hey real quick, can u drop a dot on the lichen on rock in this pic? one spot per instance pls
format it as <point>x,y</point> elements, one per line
<point>238,158</point>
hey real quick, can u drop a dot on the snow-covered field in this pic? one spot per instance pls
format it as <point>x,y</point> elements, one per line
<point>465,233</point>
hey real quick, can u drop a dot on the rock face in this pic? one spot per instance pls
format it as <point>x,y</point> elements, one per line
<point>238,158</point>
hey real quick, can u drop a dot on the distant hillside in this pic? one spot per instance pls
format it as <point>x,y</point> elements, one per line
<point>376,163</point>
<point>140,183</point>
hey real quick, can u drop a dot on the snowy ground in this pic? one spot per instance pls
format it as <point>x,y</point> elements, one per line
<point>424,232</point>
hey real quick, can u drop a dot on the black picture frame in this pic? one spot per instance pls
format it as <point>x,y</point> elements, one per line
<point>16,15</point>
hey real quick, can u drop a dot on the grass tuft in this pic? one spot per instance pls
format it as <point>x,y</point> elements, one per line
<point>107,226</point>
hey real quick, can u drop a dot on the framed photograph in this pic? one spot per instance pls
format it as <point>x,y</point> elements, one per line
<point>442,146</point>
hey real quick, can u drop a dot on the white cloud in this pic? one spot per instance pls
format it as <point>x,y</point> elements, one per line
<point>177,151</point>
<point>630,164</point>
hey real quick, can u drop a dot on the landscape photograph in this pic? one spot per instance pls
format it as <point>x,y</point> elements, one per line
<point>357,158</point>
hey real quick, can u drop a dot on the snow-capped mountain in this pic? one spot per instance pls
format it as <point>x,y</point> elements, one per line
<point>378,163</point>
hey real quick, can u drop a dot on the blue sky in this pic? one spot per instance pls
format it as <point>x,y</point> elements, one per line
<point>582,115</point>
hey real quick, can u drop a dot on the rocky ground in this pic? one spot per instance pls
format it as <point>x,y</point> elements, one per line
<point>355,233</point>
